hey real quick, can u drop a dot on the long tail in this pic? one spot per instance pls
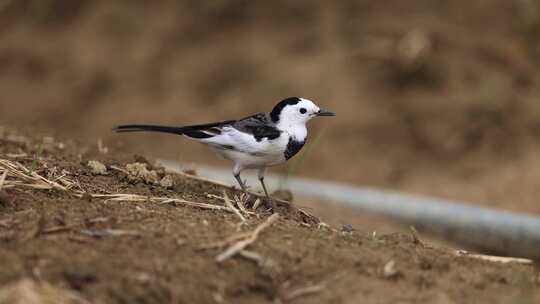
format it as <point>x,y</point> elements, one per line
<point>195,131</point>
<point>151,128</point>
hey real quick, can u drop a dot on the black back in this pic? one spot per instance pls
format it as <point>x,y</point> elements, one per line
<point>258,125</point>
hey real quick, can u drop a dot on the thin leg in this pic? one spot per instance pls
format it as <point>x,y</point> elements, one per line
<point>269,202</point>
<point>236,172</point>
<point>241,183</point>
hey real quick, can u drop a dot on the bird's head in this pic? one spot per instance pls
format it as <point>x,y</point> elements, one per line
<point>296,110</point>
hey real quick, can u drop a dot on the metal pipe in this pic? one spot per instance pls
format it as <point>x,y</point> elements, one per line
<point>494,231</point>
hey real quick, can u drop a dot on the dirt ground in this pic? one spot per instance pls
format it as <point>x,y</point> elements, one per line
<point>61,247</point>
<point>433,97</point>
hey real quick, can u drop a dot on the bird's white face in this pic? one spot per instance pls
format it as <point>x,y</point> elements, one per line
<point>301,112</point>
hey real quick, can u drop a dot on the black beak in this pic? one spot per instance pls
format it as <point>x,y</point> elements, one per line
<point>325,113</point>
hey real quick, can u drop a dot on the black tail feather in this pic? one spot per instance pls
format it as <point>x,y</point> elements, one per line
<point>194,131</point>
<point>151,128</point>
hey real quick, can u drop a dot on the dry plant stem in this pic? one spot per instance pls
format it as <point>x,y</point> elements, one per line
<point>230,205</point>
<point>253,256</point>
<point>119,169</point>
<point>304,291</point>
<point>282,202</point>
<point>238,202</point>
<point>161,200</point>
<point>416,236</point>
<point>3,179</point>
<point>241,245</point>
<point>242,207</point>
<point>31,179</point>
<point>492,258</point>
<point>57,229</point>
<point>258,195</point>
<point>256,204</point>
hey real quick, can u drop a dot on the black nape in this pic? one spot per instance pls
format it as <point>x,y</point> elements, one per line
<point>274,115</point>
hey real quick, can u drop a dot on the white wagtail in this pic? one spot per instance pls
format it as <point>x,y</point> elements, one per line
<point>254,142</point>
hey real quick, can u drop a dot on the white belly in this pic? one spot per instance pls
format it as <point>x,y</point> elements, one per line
<point>245,151</point>
<point>252,161</point>
<point>257,154</point>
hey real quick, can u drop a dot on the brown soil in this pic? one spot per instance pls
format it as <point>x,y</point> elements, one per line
<point>432,97</point>
<point>48,237</point>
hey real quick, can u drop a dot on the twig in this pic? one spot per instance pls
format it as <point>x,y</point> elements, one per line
<point>230,205</point>
<point>240,245</point>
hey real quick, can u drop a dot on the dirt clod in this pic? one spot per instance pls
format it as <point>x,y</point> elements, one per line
<point>140,172</point>
<point>97,167</point>
<point>389,270</point>
<point>167,181</point>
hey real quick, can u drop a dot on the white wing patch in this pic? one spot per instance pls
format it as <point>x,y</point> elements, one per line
<point>231,138</point>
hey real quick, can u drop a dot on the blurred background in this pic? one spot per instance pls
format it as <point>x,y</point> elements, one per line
<point>435,97</point>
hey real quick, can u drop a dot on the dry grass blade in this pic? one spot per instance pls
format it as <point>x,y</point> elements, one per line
<point>230,205</point>
<point>256,204</point>
<point>242,244</point>
<point>16,155</point>
<point>198,205</point>
<point>161,200</point>
<point>416,236</point>
<point>300,292</point>
<point>253,256</point>
<point>23,177</point>
<point>30,179</point>
<point>241,205</point>
<point>119,169</point>
<point>3,179</point>
<point>493,258</point>
<point>238,202</point>
<point>278,202</point>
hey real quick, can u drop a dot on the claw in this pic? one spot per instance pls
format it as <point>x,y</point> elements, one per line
<point>269,204</point>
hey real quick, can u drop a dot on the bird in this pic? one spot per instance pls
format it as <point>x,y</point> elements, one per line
<point>253,142</point>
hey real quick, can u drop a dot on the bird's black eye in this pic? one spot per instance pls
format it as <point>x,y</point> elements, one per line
<point>303,110</point>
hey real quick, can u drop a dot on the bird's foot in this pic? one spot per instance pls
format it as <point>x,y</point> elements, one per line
<point>269,204</point>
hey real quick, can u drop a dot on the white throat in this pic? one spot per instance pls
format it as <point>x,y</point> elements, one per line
<point>296,130</point>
